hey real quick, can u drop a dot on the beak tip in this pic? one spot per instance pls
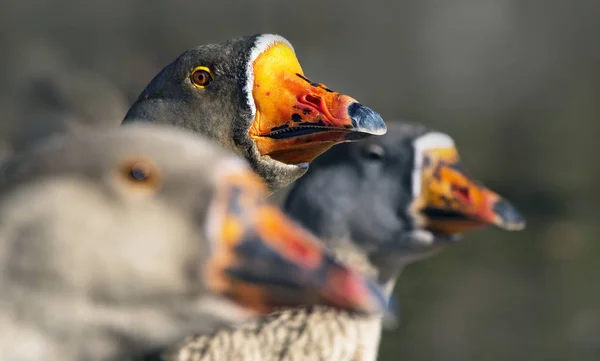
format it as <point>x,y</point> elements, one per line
<point>366,120</point>
<point>519,226</point>
<point>510,218</point>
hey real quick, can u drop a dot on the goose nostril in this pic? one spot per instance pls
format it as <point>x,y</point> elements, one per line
<point>313,100</point>
<point>463,192</point>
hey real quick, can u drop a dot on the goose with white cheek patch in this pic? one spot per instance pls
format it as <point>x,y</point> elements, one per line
<point>115,243</point>
<point>250,95</point>
<point>378,205</point>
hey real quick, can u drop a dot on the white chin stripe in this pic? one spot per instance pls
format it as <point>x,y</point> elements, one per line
<point>428,141</point>
<point>262,43</point>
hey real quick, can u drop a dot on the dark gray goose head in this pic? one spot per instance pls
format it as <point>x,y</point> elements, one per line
<point>114,242</point>
<point>399,197</point>
<point>250,95</point>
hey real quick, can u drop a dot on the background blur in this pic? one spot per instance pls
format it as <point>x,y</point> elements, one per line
<point>516,83</point>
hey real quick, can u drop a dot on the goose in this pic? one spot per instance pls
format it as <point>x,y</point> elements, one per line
<point>378,205</point>
<point>118,242</point>
<point>250,95</point>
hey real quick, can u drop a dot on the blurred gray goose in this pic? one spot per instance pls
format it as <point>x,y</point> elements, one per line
<point>378,205</point>
<point>250,94</point>
<point>58,100</point>
<point>118,242</point>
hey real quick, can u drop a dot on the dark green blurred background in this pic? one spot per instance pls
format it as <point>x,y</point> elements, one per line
<point>515,82</point>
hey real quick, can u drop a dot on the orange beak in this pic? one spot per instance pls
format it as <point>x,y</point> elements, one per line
<point>453,203</point>
<point>263,260</point>
<point>297,119</point>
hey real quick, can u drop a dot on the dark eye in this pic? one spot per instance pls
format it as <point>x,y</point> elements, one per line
<point>201,77</point>
<point>139,172</point>
<point>374,152</point>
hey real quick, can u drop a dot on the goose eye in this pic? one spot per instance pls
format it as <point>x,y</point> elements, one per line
<point>375,152</point>
<point>140,174</point>
<point>201,77</point>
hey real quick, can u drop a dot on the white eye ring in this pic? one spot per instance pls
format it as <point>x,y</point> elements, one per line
<point>428,141</point>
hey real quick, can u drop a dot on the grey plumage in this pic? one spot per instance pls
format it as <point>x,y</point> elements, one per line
<point>357,198</point>
<point>115,243</point>
<point>303,334</point>
<point>93,267</point>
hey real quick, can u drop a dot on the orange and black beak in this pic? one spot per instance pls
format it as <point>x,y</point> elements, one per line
<point>452,202</point>
<point>297,119</point>
<point>262,260</point>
